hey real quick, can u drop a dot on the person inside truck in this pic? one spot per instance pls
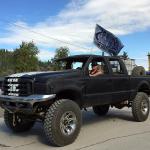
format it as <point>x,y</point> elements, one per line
<point>96,69</point>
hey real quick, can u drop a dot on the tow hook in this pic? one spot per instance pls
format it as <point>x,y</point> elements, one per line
<point>14,119</point>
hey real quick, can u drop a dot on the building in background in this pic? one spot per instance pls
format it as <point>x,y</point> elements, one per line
<point>148,62</point>
<point>148,72</point>
<point>129,63</point>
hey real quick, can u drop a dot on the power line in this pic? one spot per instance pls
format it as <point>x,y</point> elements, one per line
<point>44,35</point>
<point>49,37</point>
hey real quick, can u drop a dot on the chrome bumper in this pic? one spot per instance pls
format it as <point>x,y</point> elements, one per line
<point>28,99</point>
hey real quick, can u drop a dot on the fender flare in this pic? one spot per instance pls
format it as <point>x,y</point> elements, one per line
<point>75,91</point>
<point>143,83</point>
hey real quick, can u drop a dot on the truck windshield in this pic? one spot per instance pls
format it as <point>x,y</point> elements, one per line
<point>66,64</point>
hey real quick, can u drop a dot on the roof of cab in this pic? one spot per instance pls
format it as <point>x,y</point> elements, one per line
<point>85,56</point>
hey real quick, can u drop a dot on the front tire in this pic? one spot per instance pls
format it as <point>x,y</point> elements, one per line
<point>101,110</point>
<point>140,107</point>
<point>62,122</point>
<point>17,122</point>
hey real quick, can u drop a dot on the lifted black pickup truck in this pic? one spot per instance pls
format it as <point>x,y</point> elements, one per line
<point>56,98</point>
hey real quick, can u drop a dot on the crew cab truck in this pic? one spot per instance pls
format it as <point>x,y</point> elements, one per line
<point>56,98</point>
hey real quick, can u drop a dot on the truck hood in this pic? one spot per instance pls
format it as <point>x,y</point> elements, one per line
<point>43,74</point>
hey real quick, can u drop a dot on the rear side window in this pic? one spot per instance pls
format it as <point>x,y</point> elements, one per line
<point>116,67</point>
<point>77,65</point>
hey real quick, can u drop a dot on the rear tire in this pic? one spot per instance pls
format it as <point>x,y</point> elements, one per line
<point>138,71</point>
<point>62,122</point>
<point>101,110</point>
<point>140,107</point>
<point>17,122</point>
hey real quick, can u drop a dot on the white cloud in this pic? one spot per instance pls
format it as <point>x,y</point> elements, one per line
<point>76,23</point>
<point>45,54</point>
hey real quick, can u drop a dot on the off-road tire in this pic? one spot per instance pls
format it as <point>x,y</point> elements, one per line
<point>101,110</point>
<point>24,125</point>
<point>138,107</point>
<point>52,122</point>
<point>138,71</point>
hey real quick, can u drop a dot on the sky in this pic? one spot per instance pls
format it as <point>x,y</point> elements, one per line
<point>51,24</point>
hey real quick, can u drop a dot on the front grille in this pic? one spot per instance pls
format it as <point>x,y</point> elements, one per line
<point>17,86</point>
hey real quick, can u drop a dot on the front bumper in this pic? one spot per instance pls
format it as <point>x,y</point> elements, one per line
<point>14,103</point>
<point>28,99</point>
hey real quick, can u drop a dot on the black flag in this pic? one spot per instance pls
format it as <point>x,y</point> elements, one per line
<point>107,41</point>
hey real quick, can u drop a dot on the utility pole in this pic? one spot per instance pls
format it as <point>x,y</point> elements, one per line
<point>148,61</point>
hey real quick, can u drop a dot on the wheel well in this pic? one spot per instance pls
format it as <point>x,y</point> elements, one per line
<point>144,88</point>
<point>70,94</point>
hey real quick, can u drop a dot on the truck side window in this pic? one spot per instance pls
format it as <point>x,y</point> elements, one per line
<point>77,65</point>
<point>97,67</point>
<point>116,67</point>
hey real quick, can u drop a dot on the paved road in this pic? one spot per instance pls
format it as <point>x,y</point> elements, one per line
<point>116,131</point>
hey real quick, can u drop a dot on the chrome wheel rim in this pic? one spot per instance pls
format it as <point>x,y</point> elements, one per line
<point>144,107</point>
<point>68,123</point>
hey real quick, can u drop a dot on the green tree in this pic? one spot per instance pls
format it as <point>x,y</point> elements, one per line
<point>61,52</point>
<point>125,55</point>
<point>6,62</point>
<point>45,65</point>
<point>25,57</point>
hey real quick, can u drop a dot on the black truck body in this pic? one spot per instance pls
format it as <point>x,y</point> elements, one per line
<point>79,86</point>
<point>33,93</point>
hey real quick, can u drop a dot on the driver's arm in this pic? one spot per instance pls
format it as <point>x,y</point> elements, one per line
<point>98,72</point>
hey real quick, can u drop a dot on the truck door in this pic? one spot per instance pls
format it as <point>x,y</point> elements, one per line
<point>120,81</point>
<point>98,88</point>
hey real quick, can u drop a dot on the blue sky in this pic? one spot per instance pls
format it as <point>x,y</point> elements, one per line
<point>74,22</point>
<point>31,11</point>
